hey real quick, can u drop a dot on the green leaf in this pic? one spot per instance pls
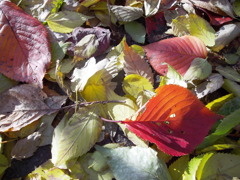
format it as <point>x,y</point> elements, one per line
<point>48,171</point>
<point>74,137</point>
<point>66,21</point>
<point>220,166</point>
<point>229,73</point>
<point>218,147</point>
<point>136,30</point>
<point>151,7</point>
<point>128,163</point>
<point>200,69</point>
<point>59,50</point>
<point>223,129</point>
<point>230,106</point>
<point>231,87</point>
<point>236,7</point>
<point>216,104</point>
<point>133,84</point>
<point>126,13</point>
<point>194,25</point>
<point>191,171</point>
<point>6,83</point>
<point>3,164</point>
<point>177,168</point>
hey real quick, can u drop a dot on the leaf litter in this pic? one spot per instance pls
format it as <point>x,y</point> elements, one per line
<point>163,72</point>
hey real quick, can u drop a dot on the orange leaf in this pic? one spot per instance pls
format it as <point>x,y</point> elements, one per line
<point>175,120</point>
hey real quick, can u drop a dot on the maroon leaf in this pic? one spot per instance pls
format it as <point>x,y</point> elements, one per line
<point>178,52</point>
<point>24,47</point>
<point>175,120</point>
<point>103,37</point>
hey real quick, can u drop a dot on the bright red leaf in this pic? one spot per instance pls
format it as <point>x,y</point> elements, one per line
<point>24,47</point>
<point>175,120</point>
<point>178,52</point>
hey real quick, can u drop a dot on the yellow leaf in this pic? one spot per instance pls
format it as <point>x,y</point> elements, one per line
<point>194,25</point>
<point>217,103</point>
<point>133,84</point>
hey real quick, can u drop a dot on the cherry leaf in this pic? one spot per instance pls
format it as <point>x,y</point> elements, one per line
<point>178,52</point>
<point>175,120</point>
<point>24,47</point>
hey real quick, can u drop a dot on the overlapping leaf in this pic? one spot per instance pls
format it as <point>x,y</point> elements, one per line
<point>24,47</point>
<point>175,120</point>
<point>178,52</point>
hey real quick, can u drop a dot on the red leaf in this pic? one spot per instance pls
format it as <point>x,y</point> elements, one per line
<point>175,120</point>
<point>24,47</point>
<point>177,52</point>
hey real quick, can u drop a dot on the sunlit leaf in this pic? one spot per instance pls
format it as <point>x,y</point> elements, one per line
<point>25,104</point>
<point>194,25</point>
<point>24,46</point>
<point>216,104</point>
<point>66,21</point>
<point>175,120</point>
<point>133,84</point>
<point>151,7</point>
<point>219,166</point>
<point>74,137</point>
<point>129,163</point>
<point>126,13</point>
<point>135,64</point>
<point>179,52</point>
<point>200,69</point>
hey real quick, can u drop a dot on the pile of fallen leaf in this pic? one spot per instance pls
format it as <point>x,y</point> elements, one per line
<point>136,89</point>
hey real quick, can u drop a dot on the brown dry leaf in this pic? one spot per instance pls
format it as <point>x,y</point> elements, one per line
<point>24,104</point>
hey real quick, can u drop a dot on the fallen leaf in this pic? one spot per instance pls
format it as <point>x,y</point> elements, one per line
<point>102,37</point>
<point>151,7</point>
<point>135,64</point>
<point>4,164</point>
<point>194,25</point>
<point>6,83</point>
<point>135,162</point>
<point>225,35</point>
<point>177,168</point>
<point>66,21</point>
<point>126,13</point>
<point>24,47</point>
<point>231,87</point>
<point>236,7</point>
<point>75,136</point>
<point>175,120</point>
<point>136,30</point>
<point>178,52</point>
<point>229,73</point>
<point>25,104</point>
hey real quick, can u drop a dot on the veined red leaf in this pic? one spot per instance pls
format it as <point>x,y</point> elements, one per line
<point>178,52</point>
<point>24,47</point>
<point>175,120</point>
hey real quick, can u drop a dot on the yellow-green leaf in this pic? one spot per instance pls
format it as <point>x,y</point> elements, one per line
<point>194,25</point>
<point>178,167</point>
<point>133,84</point>
<point>66,21</point>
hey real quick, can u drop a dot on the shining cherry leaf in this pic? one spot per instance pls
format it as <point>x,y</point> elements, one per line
<point>175,120</point>
<point>178,52</point>
<point>24,47</point>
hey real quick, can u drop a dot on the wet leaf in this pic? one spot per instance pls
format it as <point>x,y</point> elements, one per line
<point>173,120</point>
<point>66,21</point>
<point>74,137</point>
<point>129,163</point>
<point>135,64</point>
<point>194,25</point>
<point>179,52</point>
<point>24,47</point>
<point>25,104</point>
